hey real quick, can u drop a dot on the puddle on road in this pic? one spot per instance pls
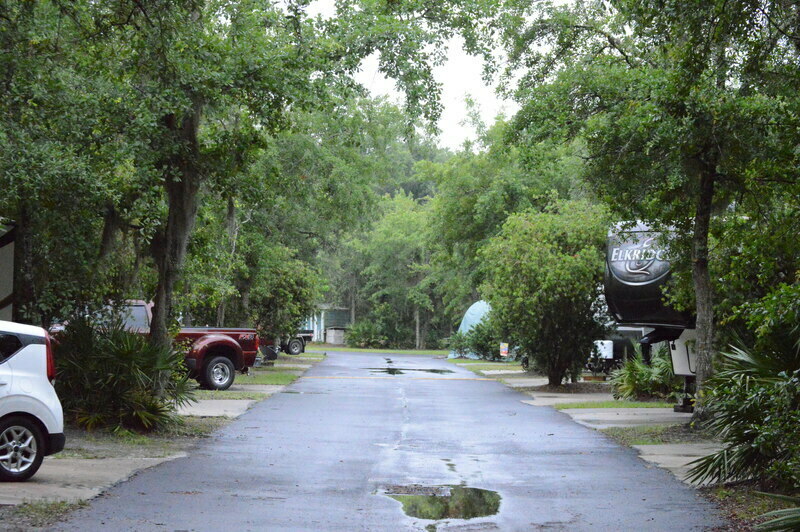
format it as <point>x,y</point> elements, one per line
<point>390,371</point>
<point>401,371</point>
<point>445,502</point>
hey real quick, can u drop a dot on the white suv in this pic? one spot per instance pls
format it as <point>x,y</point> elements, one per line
<point>31,419</point>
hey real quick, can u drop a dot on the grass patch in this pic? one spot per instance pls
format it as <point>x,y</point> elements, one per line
<point>311,357</point>
<point>86,454</point>
<point>742,505</point>
<point>39,514</point>
<point>194,427</point>
<point>270,369</point>
<point>493,367</point>
<point>103,443</point>
<point>482,362</point>
<point>345,349</point>
<point>478,369</point>
<point>614,404</point>
<point>657,434</point>
<point>273,377</point>
<point>230,395</point>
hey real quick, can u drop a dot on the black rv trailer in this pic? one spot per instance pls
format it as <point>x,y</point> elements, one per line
<point>7,233</point>
<point>637,268</point>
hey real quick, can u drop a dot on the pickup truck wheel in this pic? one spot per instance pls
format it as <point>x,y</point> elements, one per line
<point>22,448</point>
<point>218,373</point>
<point>295,346</point>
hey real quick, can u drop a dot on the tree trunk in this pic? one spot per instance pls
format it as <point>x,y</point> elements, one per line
<point>182,184</point>
<point>221,314</point>
<point>230,227</point>
<point>422,343</point>
<point>416,328</point>
<point>244,292</point>
<point>353,302</point>
<point>702,289</point>
<point>111,225</point>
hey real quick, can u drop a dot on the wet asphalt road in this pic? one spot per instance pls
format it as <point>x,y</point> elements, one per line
<point>317,457</point>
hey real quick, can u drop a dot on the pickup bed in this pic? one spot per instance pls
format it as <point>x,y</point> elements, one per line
<point>213,355</point>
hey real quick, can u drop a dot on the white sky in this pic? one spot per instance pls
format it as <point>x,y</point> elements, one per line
<point>460,76</point>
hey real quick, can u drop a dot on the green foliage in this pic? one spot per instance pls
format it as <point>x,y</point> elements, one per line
<point>396,286</point>
<point>286,291</point>
<point>786,519</point>
<point>110,377</point>
<point>475,193</point>
<point>755,410</point>
<point>544,274</point>
<point>635,379</point>
<point>688,117</point>
<point>483,339</point>
<point>366,333</point>
<point>458,343</point>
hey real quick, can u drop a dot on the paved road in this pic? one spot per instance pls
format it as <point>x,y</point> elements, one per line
<point>319,455</point>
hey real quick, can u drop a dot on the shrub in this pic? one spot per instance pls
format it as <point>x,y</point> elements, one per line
<point>484,340</point>
<point>754,404</point>
<point>459,343</point>
<point>383,327</point>
<point>110,377</point>
<point>365,333</point>
<point>635,379</point>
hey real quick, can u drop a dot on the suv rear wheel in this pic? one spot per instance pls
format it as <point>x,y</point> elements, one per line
<point>22,448</point>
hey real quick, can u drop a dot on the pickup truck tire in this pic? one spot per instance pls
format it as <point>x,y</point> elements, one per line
<point>295,346</point>
<point>22,448</point>
<point>218,373</point>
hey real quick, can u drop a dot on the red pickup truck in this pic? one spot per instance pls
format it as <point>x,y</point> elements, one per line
<point>213,354</point>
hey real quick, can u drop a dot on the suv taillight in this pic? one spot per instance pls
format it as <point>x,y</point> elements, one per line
<point>51,362</point>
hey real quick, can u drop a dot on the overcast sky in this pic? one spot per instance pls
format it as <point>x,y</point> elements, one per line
<point>460,76</point>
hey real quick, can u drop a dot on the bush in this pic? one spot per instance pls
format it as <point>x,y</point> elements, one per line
<point>110,377</point>
<point>754,404</point>
<point>637,380</point>
<point>382,328</point>
<point>365,333</point>
<point>484,340</point>
<point>459,343</point>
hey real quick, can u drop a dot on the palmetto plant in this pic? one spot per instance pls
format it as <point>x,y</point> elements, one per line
<point>754,405</point>
<point>108,376</point>
<point>637,379</point>
<point>782,520</point>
